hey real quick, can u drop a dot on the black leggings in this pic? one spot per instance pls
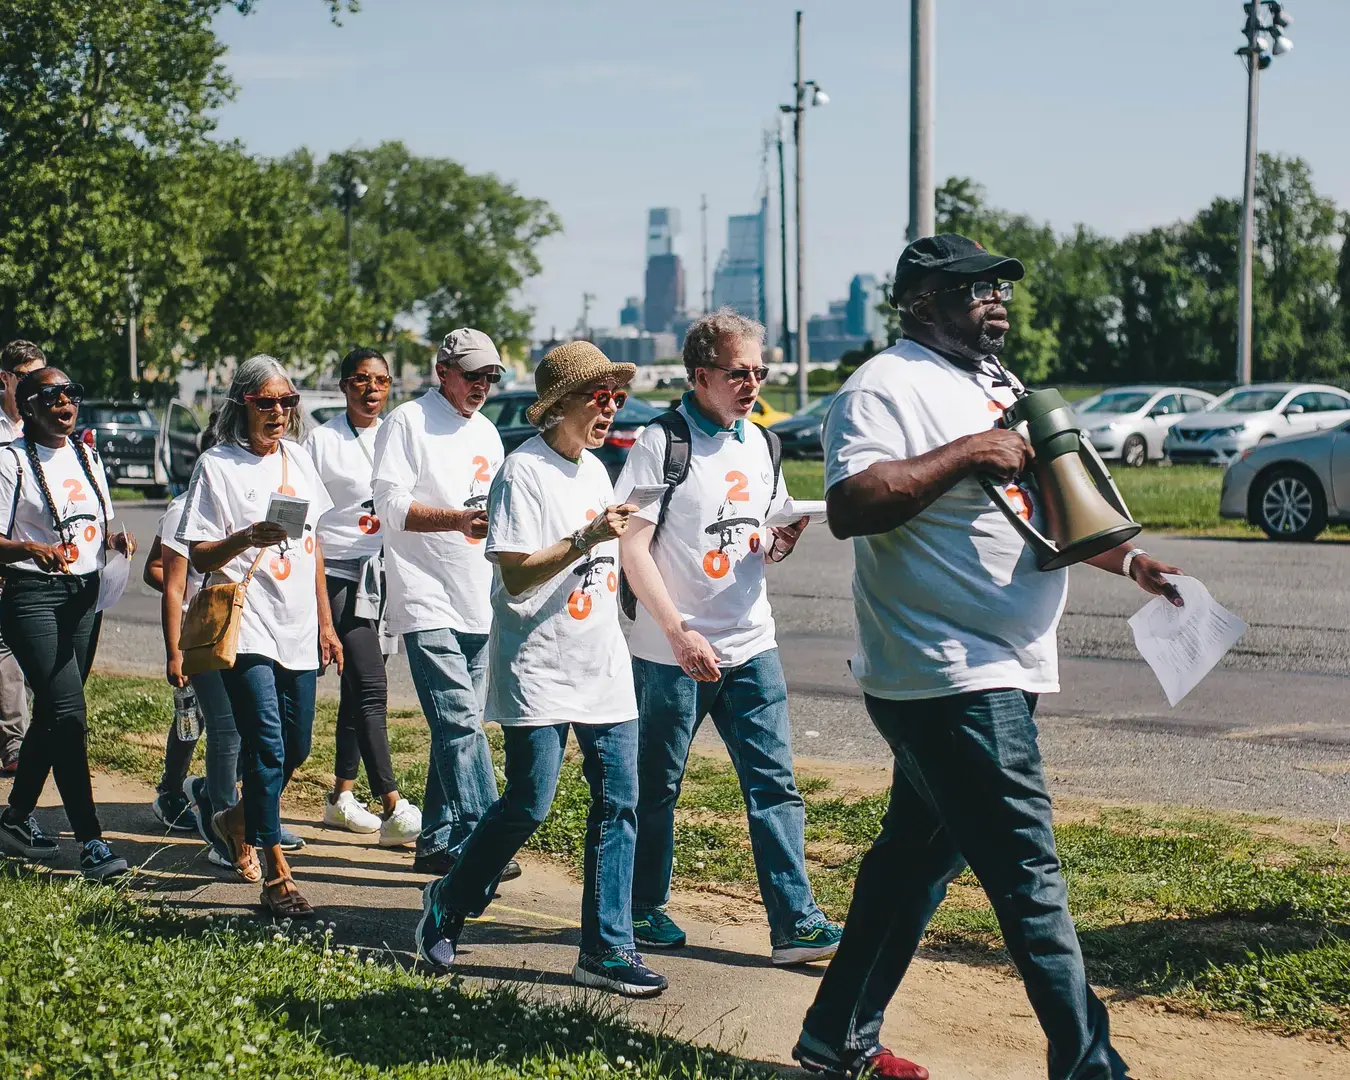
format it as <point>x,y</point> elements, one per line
<point>363,710</point>
<point>50,625</point>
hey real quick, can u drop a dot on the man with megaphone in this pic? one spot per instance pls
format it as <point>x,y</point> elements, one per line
<point>956,639</point>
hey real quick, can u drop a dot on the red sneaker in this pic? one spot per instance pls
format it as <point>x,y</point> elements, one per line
<point>882,1063</point>
<point>9,768</point>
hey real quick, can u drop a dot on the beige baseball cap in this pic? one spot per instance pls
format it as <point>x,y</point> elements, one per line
<point>471,350</point>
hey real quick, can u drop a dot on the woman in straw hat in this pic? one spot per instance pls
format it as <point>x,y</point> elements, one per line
<point>558,660</point>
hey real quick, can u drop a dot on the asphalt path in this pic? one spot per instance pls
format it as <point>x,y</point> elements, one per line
<point>1268,731</point>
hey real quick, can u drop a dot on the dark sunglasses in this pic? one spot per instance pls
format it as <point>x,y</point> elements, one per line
<point>51,394</point>
<point>602,397</point>
<point>286,402</point>
<point>742,374</point>
<point>489,377</point>
<point>364,381</point>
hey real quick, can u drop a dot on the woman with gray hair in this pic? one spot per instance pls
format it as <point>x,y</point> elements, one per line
<point>286,629</point>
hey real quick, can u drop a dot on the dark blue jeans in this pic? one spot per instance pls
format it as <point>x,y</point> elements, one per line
<point>967,788</point>
<point>273,709</point>
<point>534,757</point>
<point>748,704</point>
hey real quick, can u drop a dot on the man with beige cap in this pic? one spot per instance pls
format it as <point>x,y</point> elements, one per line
<point>434,459</point>
<point>558,664</point>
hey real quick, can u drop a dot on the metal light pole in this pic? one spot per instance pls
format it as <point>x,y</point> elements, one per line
<point>1263,42</point>
<point>350,191</point>
<point>800,104</point>
<point>921,208</point>
<point>782,238</point>
<point>131,326</point>
<point>703,228</point>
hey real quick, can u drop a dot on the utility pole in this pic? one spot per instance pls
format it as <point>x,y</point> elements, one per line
<point>587,298</point>
<point>803,347</point>
<point>131,325</point>
<point>782,241</point>
<point>703,218</point>
<point>1263,42</point>
<point>921,206</point>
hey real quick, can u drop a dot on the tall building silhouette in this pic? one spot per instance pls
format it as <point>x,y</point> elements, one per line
<point>740,280</point>
<point>665,272</point>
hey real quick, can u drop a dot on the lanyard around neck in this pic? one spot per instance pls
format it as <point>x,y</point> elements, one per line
<point>359,441</point>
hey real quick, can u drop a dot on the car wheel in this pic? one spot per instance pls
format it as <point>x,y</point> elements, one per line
<point>1288,504</point>
<point>1134,452</point>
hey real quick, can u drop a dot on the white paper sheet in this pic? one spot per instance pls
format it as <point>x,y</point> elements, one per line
<point>796,509</point>
<point>645,495</point>
<point>289,512</point>
<point>1182,645</point>
<point>112,582</point>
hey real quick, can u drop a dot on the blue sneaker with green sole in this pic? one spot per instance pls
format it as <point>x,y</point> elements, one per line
<point>817,942</point>
<point>657,930</point>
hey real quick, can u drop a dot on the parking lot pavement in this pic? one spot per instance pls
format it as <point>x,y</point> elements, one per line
<point>1268,731</point>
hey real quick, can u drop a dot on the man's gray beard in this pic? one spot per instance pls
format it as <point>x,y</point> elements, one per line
<point>991,345</point>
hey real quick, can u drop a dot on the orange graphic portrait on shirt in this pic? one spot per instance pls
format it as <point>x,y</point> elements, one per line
<point>477,500</point>
<point>591,573</point>
<point>730,529</point>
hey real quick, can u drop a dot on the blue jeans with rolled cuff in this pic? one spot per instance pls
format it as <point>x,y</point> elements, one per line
<point>449,671</point>
<point>748,704</point>
<point>967,789</point>
<point>534,758</point>
<point>273,710</point>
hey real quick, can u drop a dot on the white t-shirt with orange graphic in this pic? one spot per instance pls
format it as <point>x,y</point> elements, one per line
<point>25,515</point>
<point>951,601</point>
<point>345,458</point>
<point>556,652</point>
<point>229,491</point>
<point>711,546</point>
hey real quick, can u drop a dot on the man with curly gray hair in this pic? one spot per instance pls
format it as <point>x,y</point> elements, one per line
<point>703,640</point>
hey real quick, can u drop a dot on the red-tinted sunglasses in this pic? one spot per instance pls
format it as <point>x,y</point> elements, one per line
<point>601,398</point>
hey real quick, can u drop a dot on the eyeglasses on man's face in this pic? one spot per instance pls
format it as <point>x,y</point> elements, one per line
<point>742,374</point>
<point>286,402</point>
<point>483,376</point>
<point>979,292</point>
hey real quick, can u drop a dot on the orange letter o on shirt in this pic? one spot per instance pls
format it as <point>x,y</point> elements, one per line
<point>579,604</point>
<point>716,564</point>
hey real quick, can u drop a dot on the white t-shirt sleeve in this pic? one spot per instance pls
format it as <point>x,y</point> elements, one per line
<point>515,516</point>
<point>204,517</point>
<point>9,481</point>
<point>861,429</point>
<point>395,473</point>
<point>646,466</point>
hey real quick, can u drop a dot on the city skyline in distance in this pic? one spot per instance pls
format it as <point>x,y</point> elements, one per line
<point>1083,114</point>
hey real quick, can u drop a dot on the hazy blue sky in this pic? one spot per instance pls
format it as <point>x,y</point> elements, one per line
<point>1118,115</point>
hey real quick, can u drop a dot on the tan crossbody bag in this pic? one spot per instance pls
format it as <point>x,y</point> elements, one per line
<point>210,637</point>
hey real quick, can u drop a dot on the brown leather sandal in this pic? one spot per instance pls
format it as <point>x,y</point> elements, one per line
<point>244,856</point>
<point>247,865</point>
<point>285,904</point>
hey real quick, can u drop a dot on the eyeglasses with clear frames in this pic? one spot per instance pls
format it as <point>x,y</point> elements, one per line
<point>980,292</point>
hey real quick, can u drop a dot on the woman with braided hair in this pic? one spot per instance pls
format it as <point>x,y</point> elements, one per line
<point>54,509</point>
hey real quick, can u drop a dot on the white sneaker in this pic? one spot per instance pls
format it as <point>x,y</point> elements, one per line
<point>402,826</point>
<point>349,814</point>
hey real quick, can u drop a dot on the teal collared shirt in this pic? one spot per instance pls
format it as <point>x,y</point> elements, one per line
<point>710,427</point>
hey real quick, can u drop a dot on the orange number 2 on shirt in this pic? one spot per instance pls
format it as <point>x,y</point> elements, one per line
<point>739,490</point>
<point>74,490</point>
<point>482,476</point>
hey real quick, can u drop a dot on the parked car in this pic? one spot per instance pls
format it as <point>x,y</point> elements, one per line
<point>765,415</point>
<point>507,411</point>
<point>1247,415</point>
<point>320,408</point>
<point>1291,488</point>
<point>1128,423</point>
<point>124,433</point>
<point>801,432</point>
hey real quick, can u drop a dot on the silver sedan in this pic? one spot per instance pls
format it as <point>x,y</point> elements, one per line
<point>1128,423</point>
<point>1291,488</point>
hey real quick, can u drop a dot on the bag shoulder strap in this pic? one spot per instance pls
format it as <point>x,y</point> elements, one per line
<point>18,491</point>
<point>775,460</point>
<point>679,450</point>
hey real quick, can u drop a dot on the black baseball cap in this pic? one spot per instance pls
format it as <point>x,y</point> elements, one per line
<point>949,253</point>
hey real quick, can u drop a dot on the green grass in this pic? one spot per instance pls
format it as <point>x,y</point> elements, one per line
<point>97,983</point>
<point>1207,911</point>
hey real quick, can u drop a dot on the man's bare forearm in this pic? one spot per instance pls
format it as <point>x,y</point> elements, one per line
<point>886,495</point>
<point>423,518</point>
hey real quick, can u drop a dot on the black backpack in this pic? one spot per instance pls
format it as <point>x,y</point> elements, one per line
<point>675,469</point>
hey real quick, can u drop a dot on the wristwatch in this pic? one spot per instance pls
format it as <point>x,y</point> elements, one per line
<point>1130,556</point>
<point>579,542</point>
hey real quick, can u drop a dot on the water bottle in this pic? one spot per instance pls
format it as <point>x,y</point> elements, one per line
<point>187,715</point>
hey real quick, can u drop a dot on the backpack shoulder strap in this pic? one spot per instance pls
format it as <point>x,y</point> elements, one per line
<point>775,460</point>
<point>679,449</point>
<point>18,490</point>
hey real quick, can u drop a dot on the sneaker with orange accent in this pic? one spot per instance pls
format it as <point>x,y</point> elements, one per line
<point>813,1056</point>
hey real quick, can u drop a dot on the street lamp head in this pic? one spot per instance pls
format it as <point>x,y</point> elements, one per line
<point>1282,45</point>
<point>1263,42</point>
<point>819,97</point>
<point>358,189</point>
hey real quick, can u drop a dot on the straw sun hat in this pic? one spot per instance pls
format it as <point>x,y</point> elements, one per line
<point>570,367</point>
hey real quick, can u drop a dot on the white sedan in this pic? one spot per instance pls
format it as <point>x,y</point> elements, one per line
<point>1247,415</point>
<point>1128,423</point>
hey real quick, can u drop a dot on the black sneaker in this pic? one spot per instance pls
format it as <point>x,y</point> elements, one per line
<point>26,839</point>
<point>98,863</point>
<point>437,933</point>
<point>436,863</point>
<point>511,872</point>
<point>174,811</point>
<point>621,971</point>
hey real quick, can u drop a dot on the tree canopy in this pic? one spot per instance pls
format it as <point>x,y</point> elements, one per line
<point>117,198</point>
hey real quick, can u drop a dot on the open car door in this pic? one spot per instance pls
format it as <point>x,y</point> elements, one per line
<point>179,445</point>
